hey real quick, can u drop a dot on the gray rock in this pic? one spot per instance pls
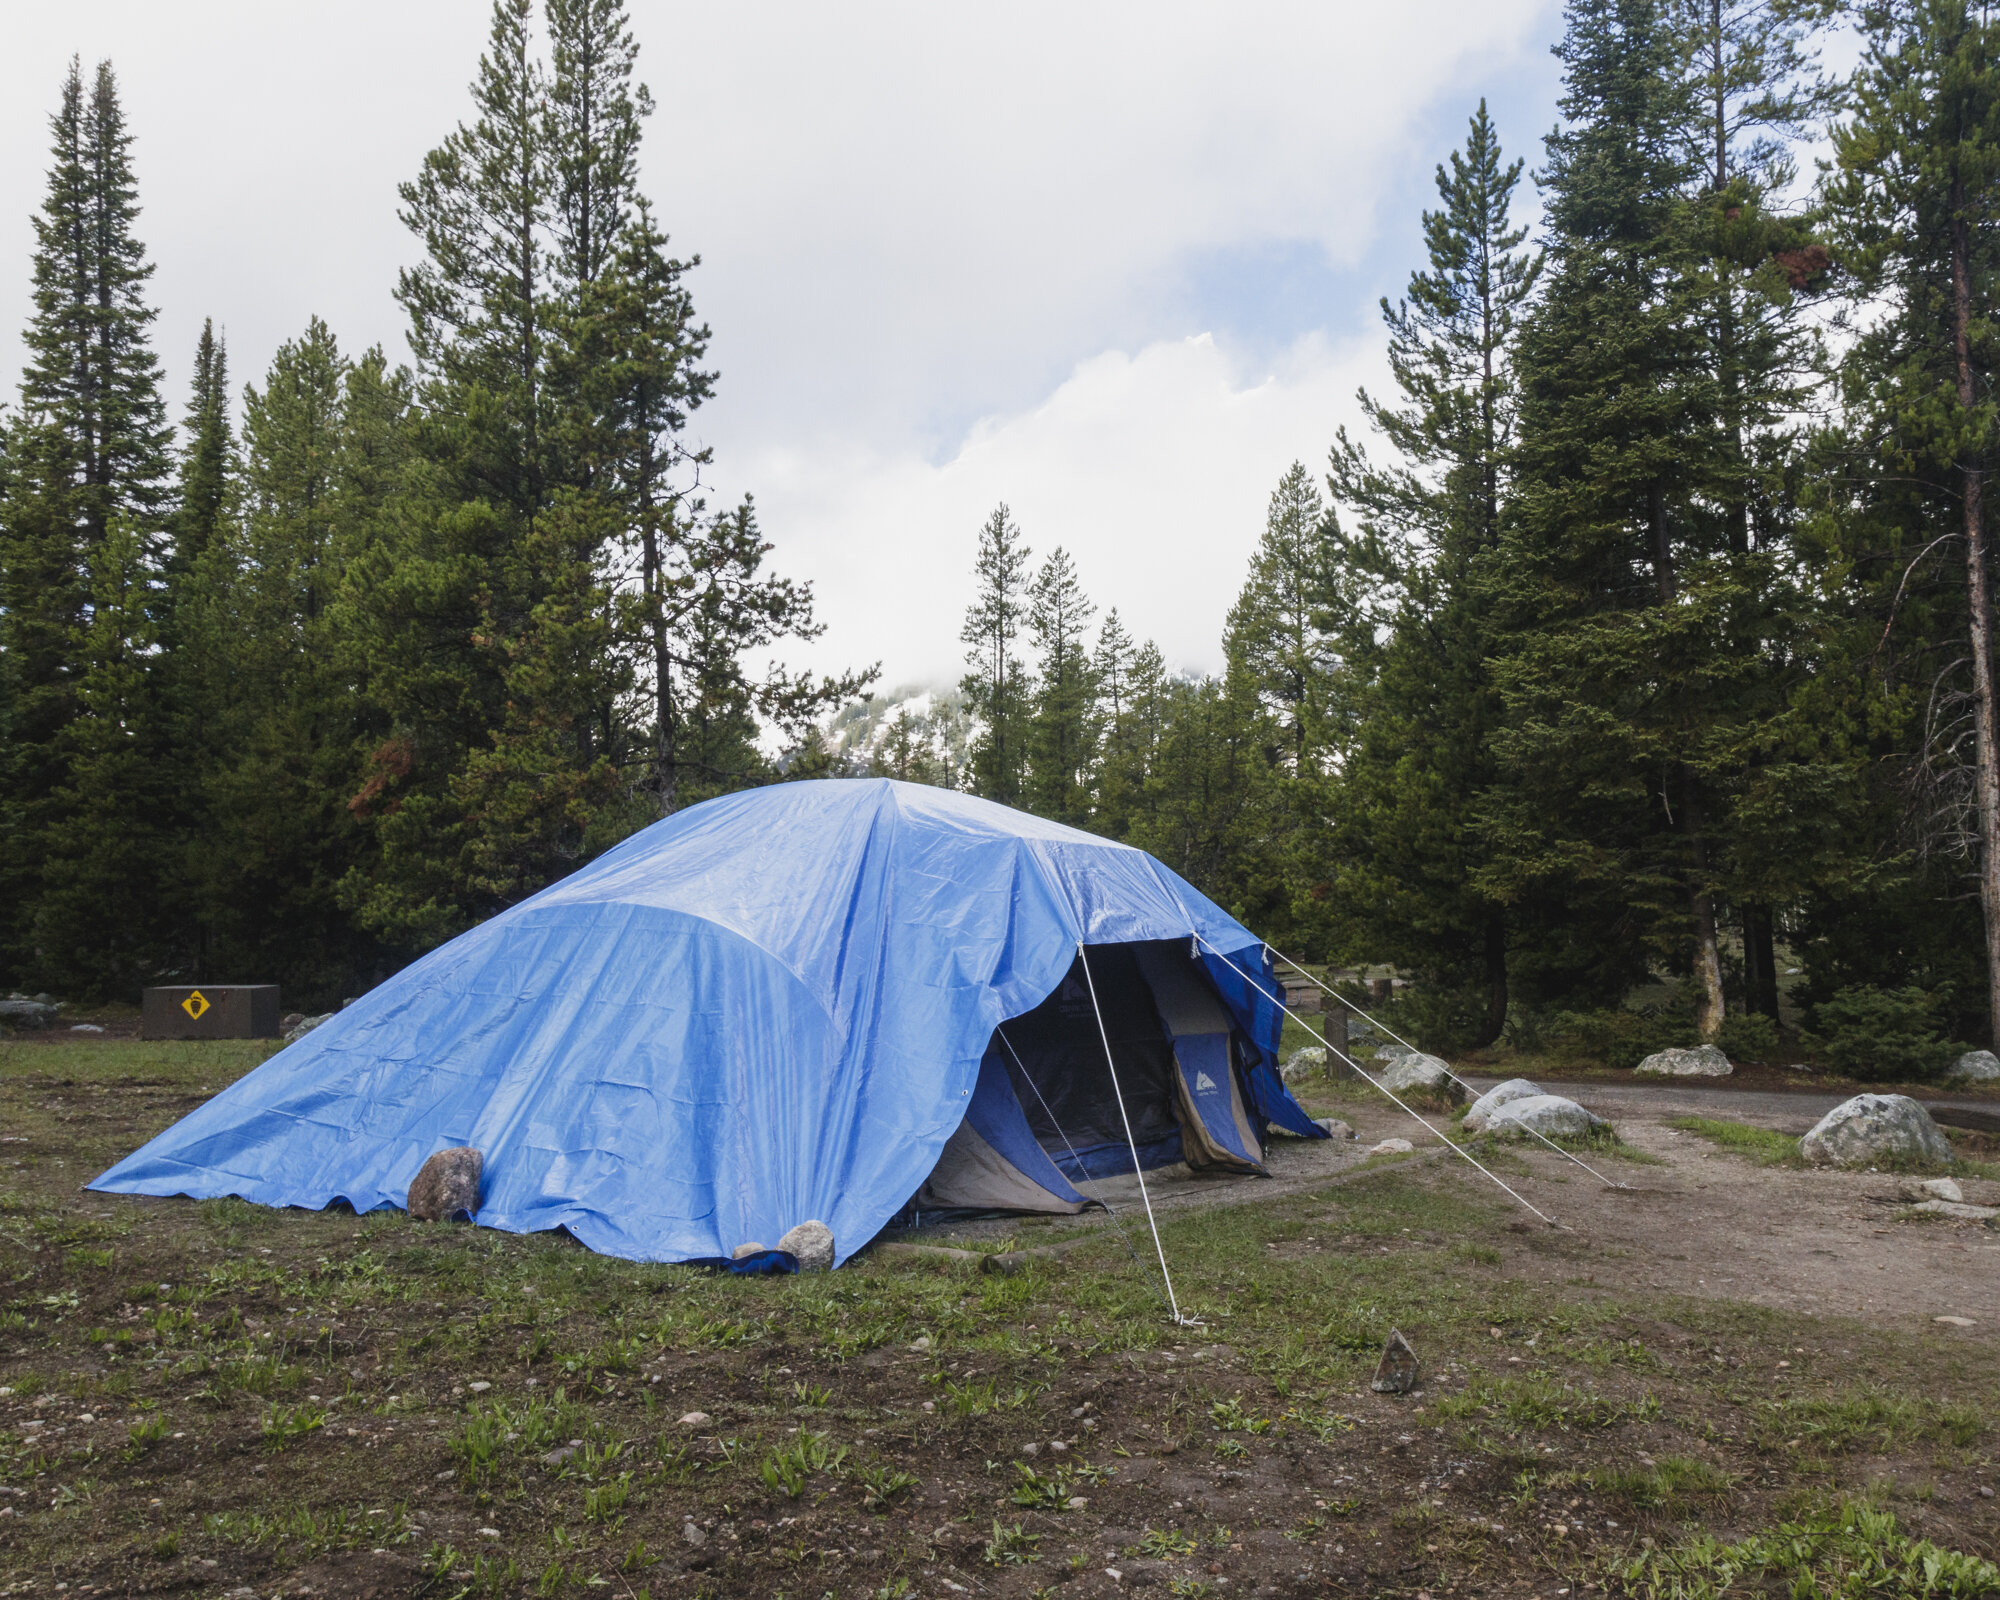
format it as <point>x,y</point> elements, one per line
<point>305,1025</point>
<point>1335,1127</point>
<point>1303,1064</point>
<point>21,1012</point>
<point>1976,1065</point>
<point>447,1187</point>
<point>1496,1097</point>
<point>1391,1147</point>
<point>1872,1129</point>
<point>1703,1061</point>
<point>1394,1052</point>
<point>750,1247</point>
<point>1397,1371</point>
<point>812,1243</point>
<point>1961,1213</point>
<point>1550,1115</point>
<point>692,1534</point>
<point>1935,1189</point>
<point>1426,1075</point>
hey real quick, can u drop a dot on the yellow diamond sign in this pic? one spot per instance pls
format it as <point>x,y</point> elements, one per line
<point>195,1004</point>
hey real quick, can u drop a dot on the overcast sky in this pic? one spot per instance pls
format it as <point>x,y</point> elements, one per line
<point>1116,265</point>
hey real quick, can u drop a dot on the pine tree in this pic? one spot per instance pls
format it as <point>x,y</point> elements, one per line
<point>1062,730</point>
<point>1402,887</point>
<point>88,450</point>
<point>208,456</point>
<point>1623,660</point>
<point>1913,197</point>
<point>592,134</point>
<point>998,689</point>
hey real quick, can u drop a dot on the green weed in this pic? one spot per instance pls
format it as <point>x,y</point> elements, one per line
<point>285,1425</point>
<point>1010,1547</point>
<point>1761,1145</point>
<point>1844,1552</point>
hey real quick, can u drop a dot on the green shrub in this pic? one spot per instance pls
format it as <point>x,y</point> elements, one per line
<point>1866,1032</point>
<point>1747,1036</point>
<point>1616,1037</point>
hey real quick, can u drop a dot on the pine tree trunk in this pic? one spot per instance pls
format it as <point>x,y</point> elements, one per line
<point>1495,1021</point>
<point>1760,960</point>
<point>1986,754</point>
<point>1709,1006</point>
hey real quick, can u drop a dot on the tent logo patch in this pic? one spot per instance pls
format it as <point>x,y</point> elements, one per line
<point>1203,1081</point>
<point>195,1004</point>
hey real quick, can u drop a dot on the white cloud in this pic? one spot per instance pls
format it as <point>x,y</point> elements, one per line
<point>913,216</point>
<point>1151,469</point>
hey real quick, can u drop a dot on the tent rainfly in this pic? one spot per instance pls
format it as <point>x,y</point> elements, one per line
<point>832,1000</point>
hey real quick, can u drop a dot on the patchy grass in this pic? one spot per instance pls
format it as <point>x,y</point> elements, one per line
<point>280,1392</point>
<point>1761,1145</point>
<point>1847,1551</point>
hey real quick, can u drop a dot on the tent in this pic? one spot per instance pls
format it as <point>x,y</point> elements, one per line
<point>816,1000</point>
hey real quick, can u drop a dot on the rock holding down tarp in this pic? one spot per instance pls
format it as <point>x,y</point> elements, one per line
<point>447,1186</point>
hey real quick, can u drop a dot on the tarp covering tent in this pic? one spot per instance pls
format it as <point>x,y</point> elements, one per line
<point>776,1006</point>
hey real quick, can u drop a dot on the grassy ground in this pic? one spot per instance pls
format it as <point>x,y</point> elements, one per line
<point>215,1398</point>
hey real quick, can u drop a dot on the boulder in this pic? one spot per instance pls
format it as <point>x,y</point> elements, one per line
<point>812,1243</point>
<point>1425,1075</point>
<point>21,1012</point>
<point>1977,1066</point>
<point>1550,1115</point>
<point>1703,1061</point>
<point>447,1186</point>
<point>1303,1064</point>
<point>1934,1189</point>
<point>1496,1097</point>
<point>1875,1130</point>
<point>1335,1127</point>
<point>304,1026</point>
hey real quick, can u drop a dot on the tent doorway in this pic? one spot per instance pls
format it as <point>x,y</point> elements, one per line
<point>1045,1115</point>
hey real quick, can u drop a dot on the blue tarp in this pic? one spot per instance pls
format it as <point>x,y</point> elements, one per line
<point>767,1009</point>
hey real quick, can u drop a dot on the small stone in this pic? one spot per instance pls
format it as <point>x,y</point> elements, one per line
<point>691,1534</point>
<point>1985,1493</point>
<point>1031,1450</point>
<point>1077,1502</point>
<point>1397,1371</point>
<point>1335,1128</point>
<point>555,1457</point>
<point>480,1387</point>
<point>1391,1147</point>
<point>920,1344</point>
<point>1703,1061</point>
<point>744,1251</point>
<point>447,1186</point>
<point>812,1244</point>
<point>84,1027</point>
<point>695,1419</point>
<point>1956,1322</point>
<point>87,1417</point>
<point>1958,1213</point>
<point>930,1405</point>
<point>1874,1127</point>
<point>1058,1448</point>
<point>1975,1065</point>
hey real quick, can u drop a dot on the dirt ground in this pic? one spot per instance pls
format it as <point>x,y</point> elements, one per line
<point>218,1400</point>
